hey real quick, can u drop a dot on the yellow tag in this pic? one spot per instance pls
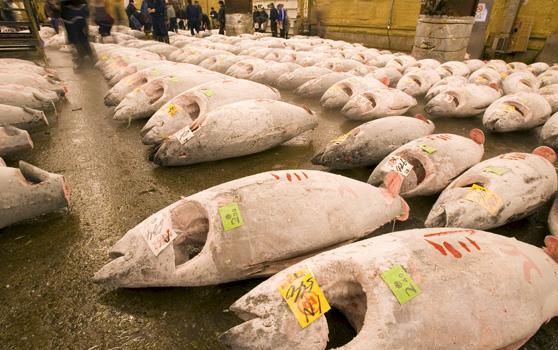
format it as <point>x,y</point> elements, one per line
<point>508,108</point>
<point>207,92</point>
<point>481,79</point>
<point>485,198</point>
<point>504,75</point>
<point>171,111</point>
<point>496,170</point>
<point>174,79</point>
<point>104,57</point>
<point>230,216</point>
<point>401,284</point>
<point>155,72</point>
<point>304,297</point>
<point>427,149</point>
<point>341,138</point>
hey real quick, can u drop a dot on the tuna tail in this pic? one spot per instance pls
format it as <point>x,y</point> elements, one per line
<point>546,152</point>
<point>40,114</point>
<point>2,163</point>
<point>551,247</point>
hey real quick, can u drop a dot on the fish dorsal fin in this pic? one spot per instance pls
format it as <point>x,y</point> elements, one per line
<point>546,152</point>
<point>551,247</point>
<point>477,135</point>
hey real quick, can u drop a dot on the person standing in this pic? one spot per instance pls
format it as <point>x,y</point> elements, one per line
<point>262,17</point>
<point>134,21</point>
<point>103,19</point>
<point>156,9</point>
<point>213,15</point>
<point>171,15</point>
<point>193,16</point>
<point>221,17</point>
<point>256,19</point>
<point>283,21</point>
<point>52,12</point>
<point>273,17</point>
<point>74,14</point>
<point>145,18</point>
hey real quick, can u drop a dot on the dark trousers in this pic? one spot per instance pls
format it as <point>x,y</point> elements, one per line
<point>284,33</point>
<point>54,23</point>
<point>104,29</point>
<point>194,26</point>
<point>173,25</point>
<point>273,28</point>
<point>222,28</point>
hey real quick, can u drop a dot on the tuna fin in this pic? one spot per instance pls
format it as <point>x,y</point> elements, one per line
<point>385,81</point>
<point>545,152</point>
<point>422,117</point>
<point>551,247</point>
<point>477,135</point>
<point>37,113</point>
<point>307,109</point>
<point>393,182</point>
<point>32,173</point>
<point>406,209</point>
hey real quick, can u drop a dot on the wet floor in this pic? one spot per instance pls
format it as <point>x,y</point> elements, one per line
<point>47,299</point>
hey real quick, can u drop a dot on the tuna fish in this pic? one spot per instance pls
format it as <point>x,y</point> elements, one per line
<point>14,140</point>
<point>428,63</point>
<point>190,105</point>
<point>33,80</point>
<point>238,230</point>
<point>2,163</point>
<point>498,65</point>
<point>272,73</point>
<point>497,191</point>
<point>553,218</point>
<point>435,160</point>
<point>550,93</point>
<point>370,142</point>
<point>294,79</point>
<point>474,64</point>
<point>147,99</point>
<point>486,76</point>
<point>26,96</point>
<point>549,132</point>
<point>402,62</point>
<point>549,77</point>
<point>520,81</point>
<point>403,290</point>
<point>538,67</point>
<point>315,88</point>
<point>453,68</point>
<point>522,110</point>
<point>221,63</point>
<point>391,74</point>
<point>339,94</point>
<point>517,66</point>
<point>342,65</point>
<point>21,117</point>
<point>235,130</point>
<point>378,103</point>
<point>418,81</point>
<point>462,101</point>
<point>444,84</point>
<point>245,69</point>
<point>29,192</point>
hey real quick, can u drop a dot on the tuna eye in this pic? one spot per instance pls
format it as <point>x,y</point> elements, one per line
<point>416,80</point>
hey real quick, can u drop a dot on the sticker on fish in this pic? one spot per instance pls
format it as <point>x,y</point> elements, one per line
<point>184,135</point>
<point>401,284</point>
<point>304,297</point>
<point>485,198</point>
<point>207,92</point>
<point>231,217</point>
<point>341,138</point>
<point>427,149</point>
<point>397,164</point>
<point>158,232</point>
<point>496,170</point>
<point>171,111</point>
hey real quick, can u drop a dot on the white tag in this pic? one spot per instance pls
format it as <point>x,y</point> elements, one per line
<point>158,232</point>
<point>397,164</point>
<point>184,135</point>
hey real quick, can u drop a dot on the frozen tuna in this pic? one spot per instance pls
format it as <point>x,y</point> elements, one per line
<point>391,74</point>
<point>27,96</point>
<point>486,76</point>
<point>14,140</point>
<point>33,80</point>
<point>398,291</point>
<point>462,101</point>
<point>474,64</point>
<point>550,94</point>
<point>418,81</point>
<point>538,67</point>
<point>182,110</point>
<point>370,142</point>
<point>378,103</point>
<point>339,94</point>
<point>549,77</point>
<point>453,68</point>
<point>553,218</point>
<point>235,130</point>
<point>236,230</point>
<point>294,79</point>
<point>497,191</point>
<point>29,192</point>
<point>522,110</point>
<point>520,81</point>
<point>274,70</point>
<point>549,132</point>
<point>21,117</point>
<point>315,88</point>
<point>430,163</point>
<point>444,84</point>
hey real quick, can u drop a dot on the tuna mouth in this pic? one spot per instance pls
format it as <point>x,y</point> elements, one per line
<point>347,90</point>
<point>416,80</point>
<point>191,224</point>
<point>155,94</point>
<point>453,99</point>
<point>371,99</point>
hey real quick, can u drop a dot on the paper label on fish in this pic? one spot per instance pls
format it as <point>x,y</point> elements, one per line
<point>427,149</point>
<point>155,72</point>
<point>207,92</point>
<point>172,110</point>
<point>485,198</point>
<point>401,284</point>
<point>341,138</point>
<point>304,297</point>
<point>174,79</point>
<point>231,217</point>
<point>496,170</point>
<point>397,164</point>
<point>184,135</point>
<point>158,233</point>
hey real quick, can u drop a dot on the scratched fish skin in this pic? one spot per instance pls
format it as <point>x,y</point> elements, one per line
<point>27,96</point>
<point>549,132</point>
<point>370,142</point>
<point>550,93</point>
<point>294,79</point>
<point>436,160</point>
<point>519,111</point>
<point>494,313</point>
<point>418,81</point>
<point>144,101</point>
<point>444,84</point>
<point>235,130</point>
<point>183,109</point>
<point>378,103</point>
<point>453,68</point>
<point>316,88</point>
<point>463,101</point>
<point>21,117</point>
<point>339,93</point>
<point>13,141</point>
<point>522,181</point>
<point>203,253</point>
<point>29,192</point>
<point>520,81</point>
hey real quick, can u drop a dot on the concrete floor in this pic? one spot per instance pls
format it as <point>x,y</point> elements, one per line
<point>47,299</point>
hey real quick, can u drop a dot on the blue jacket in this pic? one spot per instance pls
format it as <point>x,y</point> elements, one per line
<point>159,7</point>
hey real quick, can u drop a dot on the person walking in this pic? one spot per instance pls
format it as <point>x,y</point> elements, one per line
<point>134,21</point>
<point>256,19</point>
<point>145,18</point>
<point>221,17</point>
<point>74,14</point>
<point>213,16</point>
<point>52,12</point>
<point>103,19</point>
<point>262,18</point>
<point>193,16</point>
<point>171,15</point>
<point>273,17</point>
<point>283,21</point>
<point>156,9</point>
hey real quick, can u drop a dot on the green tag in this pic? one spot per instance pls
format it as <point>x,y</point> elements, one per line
<point>230,216</point>
<point>496,170</point>
<point>401,284</point>
<point>207,92</point>
<point>427,149</point>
